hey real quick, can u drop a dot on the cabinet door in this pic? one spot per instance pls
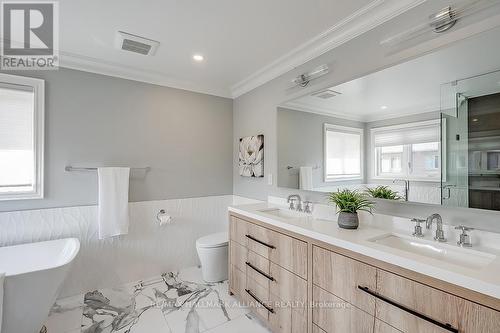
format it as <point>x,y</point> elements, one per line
<point>332,314</point>
<point>341,276</point>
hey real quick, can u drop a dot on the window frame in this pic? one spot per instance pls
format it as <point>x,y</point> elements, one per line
<point>38,86</point>
<point>406,153</point>
<point>342,129</point>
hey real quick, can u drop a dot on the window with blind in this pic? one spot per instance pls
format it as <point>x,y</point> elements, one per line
<point>21,137</point>
<point>412,151</point>
<point>343,153</point>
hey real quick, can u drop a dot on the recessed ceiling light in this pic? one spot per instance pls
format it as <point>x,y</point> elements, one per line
<point>383,107</point>
<point>475,119</point>
<point>198,57</point>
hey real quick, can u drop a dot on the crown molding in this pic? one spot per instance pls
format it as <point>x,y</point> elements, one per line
<point>297,106</point>
<point>365,19</point>
<point>110,68</point>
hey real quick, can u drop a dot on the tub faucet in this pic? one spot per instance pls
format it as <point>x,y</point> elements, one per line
<point>407,186</point>
<point>439,230</point>
<point>295,202</point>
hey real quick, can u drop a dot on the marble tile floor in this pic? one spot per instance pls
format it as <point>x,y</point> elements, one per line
<point>172,303</point>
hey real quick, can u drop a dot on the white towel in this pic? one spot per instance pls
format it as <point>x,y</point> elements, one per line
<point>113,201</point>
<point>2,278</point>
<point>306,178</point>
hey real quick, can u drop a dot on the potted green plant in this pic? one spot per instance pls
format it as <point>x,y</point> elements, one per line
<point>348,203</point>
<point>383,192</point>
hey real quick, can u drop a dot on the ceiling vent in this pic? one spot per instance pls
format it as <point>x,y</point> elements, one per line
<point>136,44</point>
<point>326,94</point>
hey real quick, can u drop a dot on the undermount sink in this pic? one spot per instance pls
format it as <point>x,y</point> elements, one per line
<point>467,258</point>
<point>283,213</point>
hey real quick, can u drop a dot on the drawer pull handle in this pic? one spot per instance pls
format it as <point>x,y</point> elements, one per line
<point>260,242</point>
<point>259,301</point>
<point>447,327</point>
<point>269,277</point>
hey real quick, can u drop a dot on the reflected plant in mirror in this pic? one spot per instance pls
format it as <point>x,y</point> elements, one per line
<point>348,203</point>
<point>383,192</point>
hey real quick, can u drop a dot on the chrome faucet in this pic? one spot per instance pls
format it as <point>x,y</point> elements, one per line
<point>295,202</point>
<point>407,186</point>
<point>464,237</point>
<point>439,223</point>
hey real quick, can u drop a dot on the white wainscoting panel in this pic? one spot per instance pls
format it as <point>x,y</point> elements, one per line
<point>146,251</point>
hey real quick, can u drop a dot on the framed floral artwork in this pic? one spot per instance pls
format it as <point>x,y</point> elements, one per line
<point>251,156</point>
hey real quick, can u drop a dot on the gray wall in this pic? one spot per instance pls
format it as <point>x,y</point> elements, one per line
<point>255,112</point>
<point>300,143</point>
<point>96,120</point>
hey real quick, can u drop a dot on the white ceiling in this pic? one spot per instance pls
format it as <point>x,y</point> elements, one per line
<point>412,87</point>
<point>239,39</point>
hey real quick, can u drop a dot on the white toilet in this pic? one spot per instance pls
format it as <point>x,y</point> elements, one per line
<point>212,251</point>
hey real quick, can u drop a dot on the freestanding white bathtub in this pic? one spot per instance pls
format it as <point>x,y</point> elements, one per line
<point>34,274</point>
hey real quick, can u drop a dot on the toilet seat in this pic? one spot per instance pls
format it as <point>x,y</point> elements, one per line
<point>213,240</point>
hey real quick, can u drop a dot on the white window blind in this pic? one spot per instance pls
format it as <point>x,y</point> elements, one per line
<point>21,137</point>
<point>419,133</point>
<point>343,151</point>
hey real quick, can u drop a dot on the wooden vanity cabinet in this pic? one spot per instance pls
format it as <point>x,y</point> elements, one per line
<point>297,285</point>
<point>268,270</point>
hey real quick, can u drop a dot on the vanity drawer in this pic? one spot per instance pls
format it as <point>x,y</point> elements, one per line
<point>238,255</point>
<point>317,329</point>
<point>341,276</point>
<point>381,327</point>
<point>332,314</point>
<point>256,266</point>
<point>288,252</point>
<point>238,230</point>
<point>284,319</point>
<point>258,269</point>
<point>258,298</point>
<point>289,289</point>
<point>433,304</point>
<point>237,282</point>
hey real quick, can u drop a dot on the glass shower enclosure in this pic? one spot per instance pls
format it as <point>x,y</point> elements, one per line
<point>470,141</point>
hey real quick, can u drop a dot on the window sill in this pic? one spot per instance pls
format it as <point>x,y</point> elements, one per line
<point>424,180</point>
<point>338,180</point>
<point>20,196</point>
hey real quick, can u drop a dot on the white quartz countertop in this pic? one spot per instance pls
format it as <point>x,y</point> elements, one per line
<point>485,279</point>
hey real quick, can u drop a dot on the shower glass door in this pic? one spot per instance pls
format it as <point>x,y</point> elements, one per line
<point>454,140</point>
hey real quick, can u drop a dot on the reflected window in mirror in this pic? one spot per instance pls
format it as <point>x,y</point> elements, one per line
<point>343,153</point>
<point>412,151</point>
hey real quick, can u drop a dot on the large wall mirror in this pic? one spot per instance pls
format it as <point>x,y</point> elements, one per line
<point>427,129</point>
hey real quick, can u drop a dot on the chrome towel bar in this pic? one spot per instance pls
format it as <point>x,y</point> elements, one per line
<point>70,168</point>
